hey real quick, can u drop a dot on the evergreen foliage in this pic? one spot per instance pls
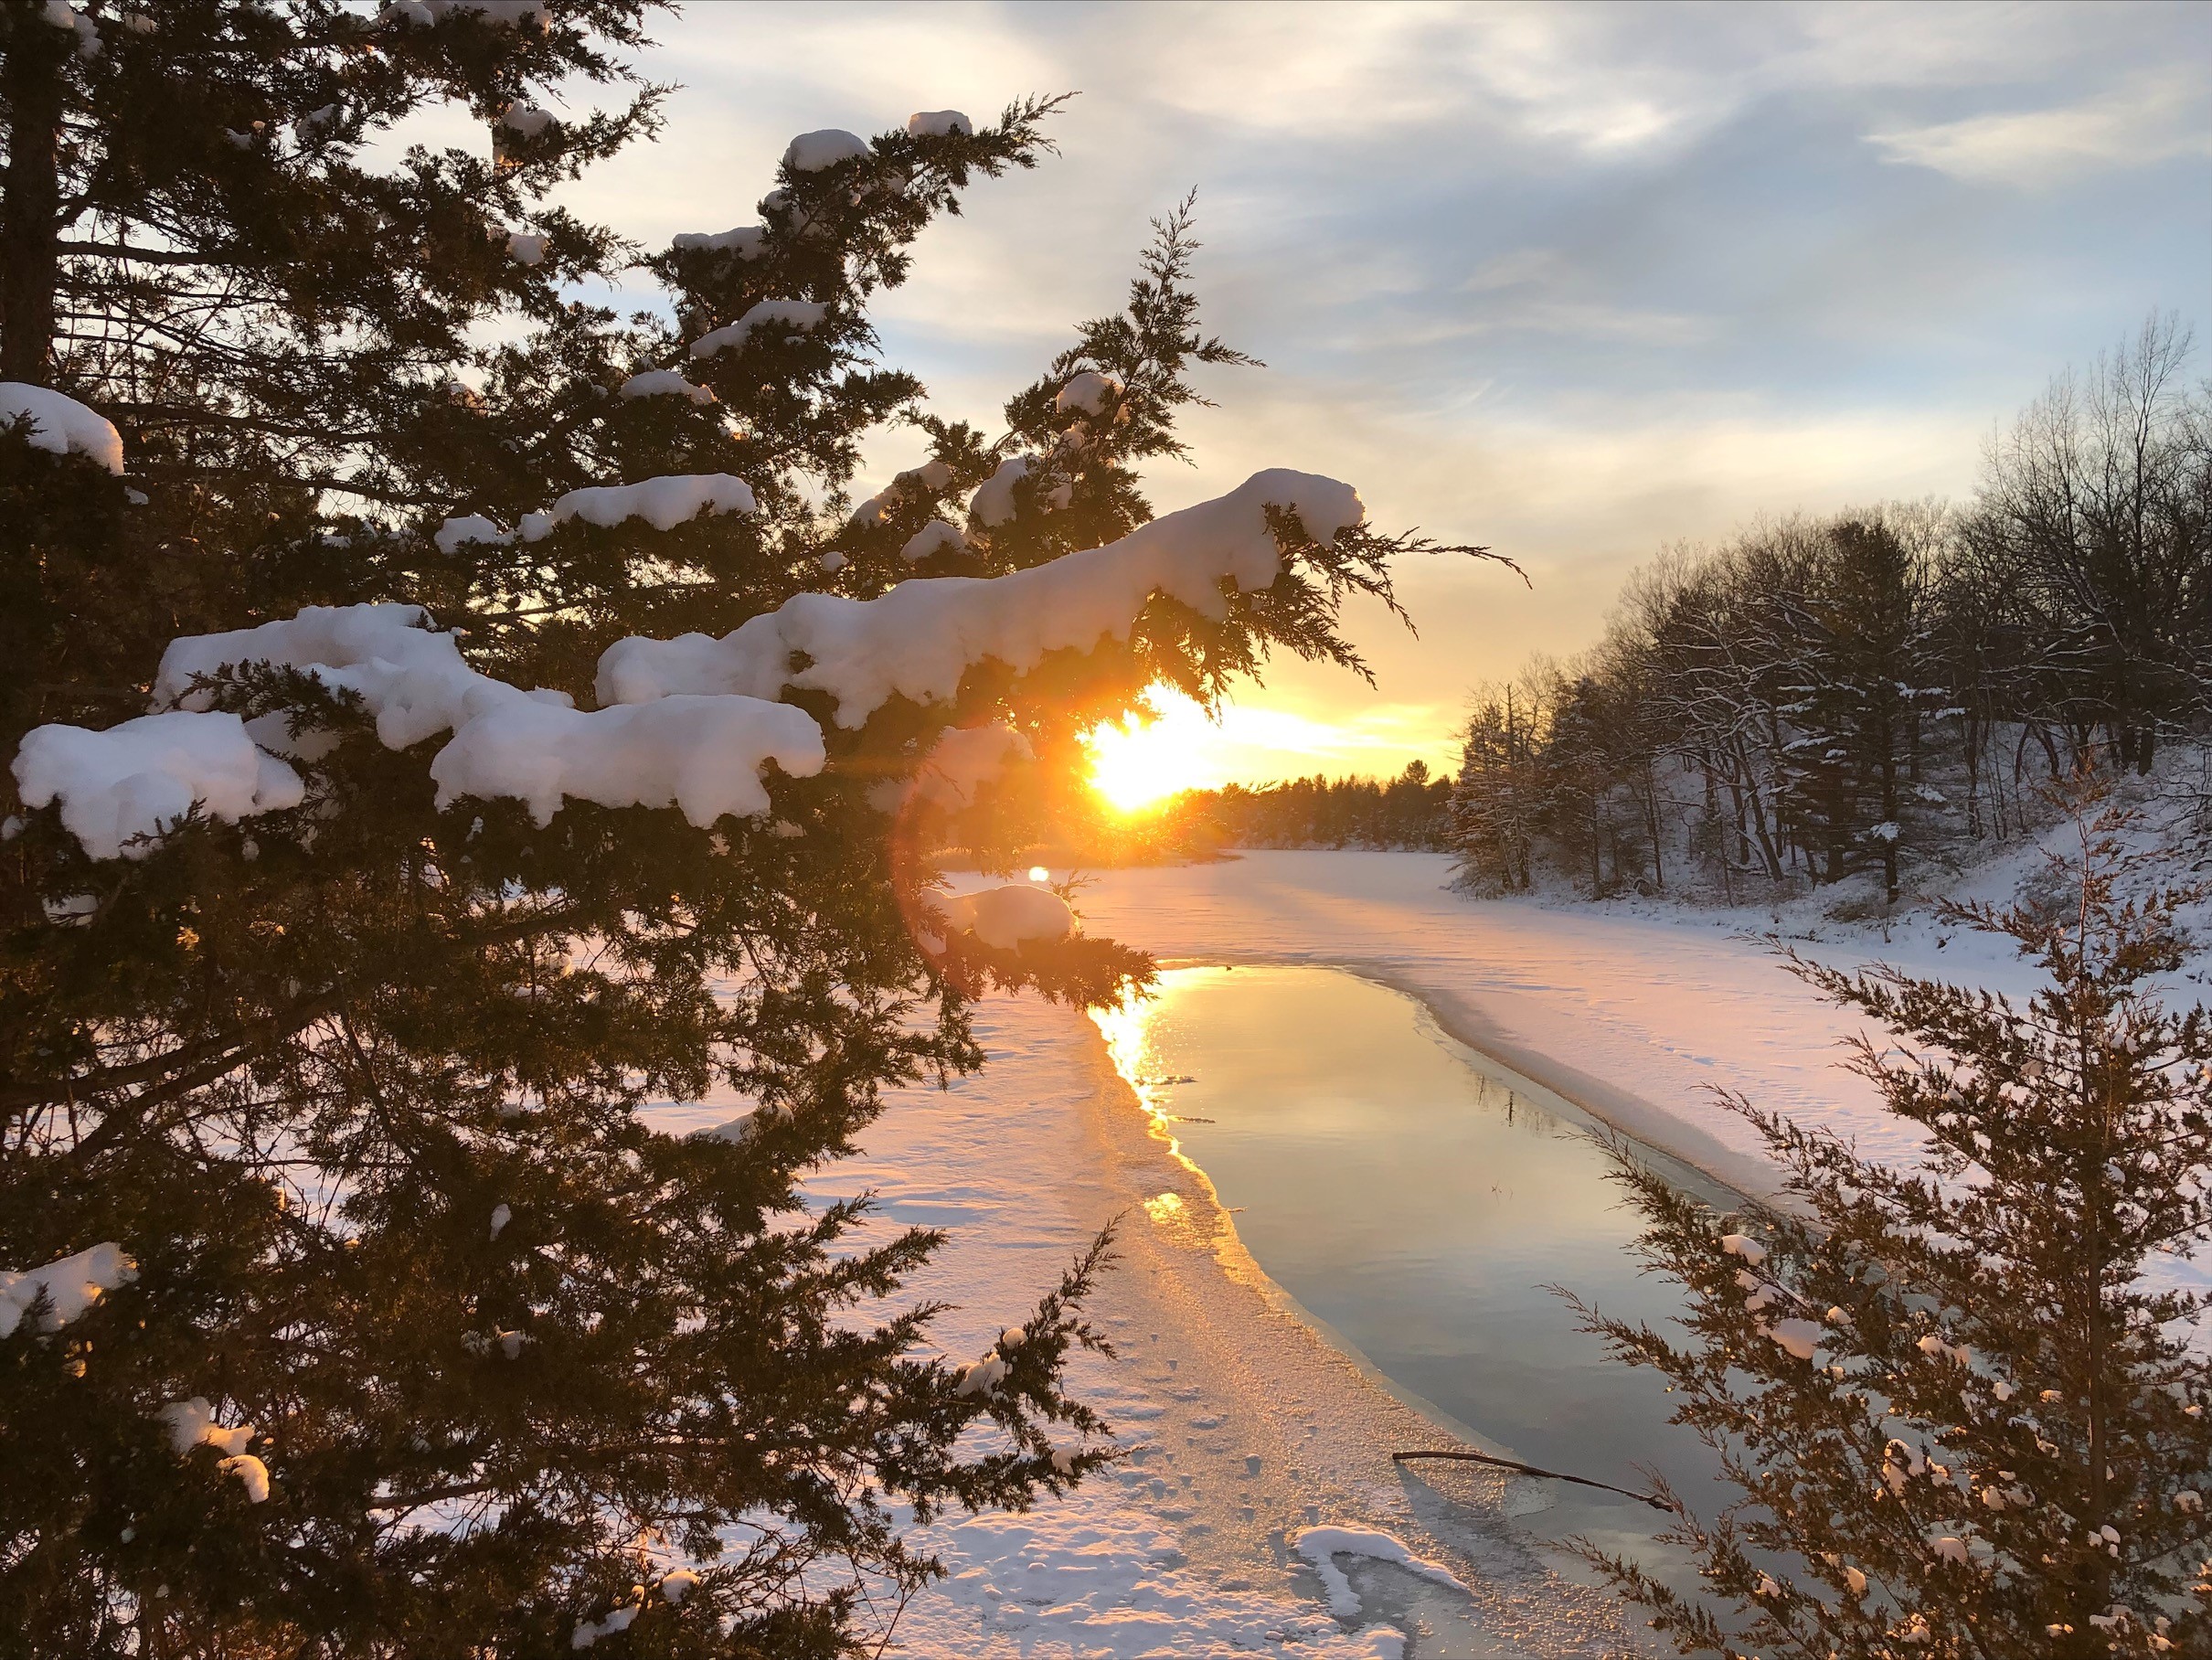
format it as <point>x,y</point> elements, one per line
<point>1409,811</point>
<point>355,1084</point>
<point>1962,1400</point>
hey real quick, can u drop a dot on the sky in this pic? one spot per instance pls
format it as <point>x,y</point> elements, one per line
<point>1575,282</point>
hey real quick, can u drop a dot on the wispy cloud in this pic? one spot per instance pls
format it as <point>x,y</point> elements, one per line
<point>2155,117</point>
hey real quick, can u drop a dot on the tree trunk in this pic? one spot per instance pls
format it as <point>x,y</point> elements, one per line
<point>1650,819</point>
<point>30,75</point>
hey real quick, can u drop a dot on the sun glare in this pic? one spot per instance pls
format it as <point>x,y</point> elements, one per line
<point>1143,761</point>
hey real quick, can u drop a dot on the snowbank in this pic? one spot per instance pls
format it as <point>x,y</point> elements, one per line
<point>921,637</point>
<point>61,424</point>
<point>132,779</point>
<point>1241,1424</point>
<point>1637,1019</point>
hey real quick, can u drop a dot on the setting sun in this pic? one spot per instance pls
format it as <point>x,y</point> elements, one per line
<point>1143,761</point>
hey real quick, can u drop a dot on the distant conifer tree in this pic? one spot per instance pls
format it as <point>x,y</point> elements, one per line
<point>1964,1401</point>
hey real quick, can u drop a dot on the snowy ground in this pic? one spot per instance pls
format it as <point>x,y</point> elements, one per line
<point>1244,1426</point>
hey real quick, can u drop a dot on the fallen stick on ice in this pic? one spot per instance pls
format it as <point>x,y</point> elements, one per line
<point>1507,1463</point>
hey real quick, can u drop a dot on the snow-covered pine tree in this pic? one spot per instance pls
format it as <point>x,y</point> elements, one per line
<point>1964,1401</point>
<point>1498,800</point>
<point>350,1301</point>
<point>1857,706</point>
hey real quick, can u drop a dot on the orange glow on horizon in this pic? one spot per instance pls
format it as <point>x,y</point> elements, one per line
<point>1170,745</point>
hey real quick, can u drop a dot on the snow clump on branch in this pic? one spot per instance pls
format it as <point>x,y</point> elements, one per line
<point>470,527</point>
<point>1087,392</point>
<point>526,119</point>
<point>703,755</point>
<point>664,383</point>
<point>70,1285</point>
<point>61,424</point>
<point>812,152</point>
<point>993,504</point>
<point>122,786</point>
<point>193,1423</point>
<point>663,503</point>
<point>940,124</point>
<point>1006,919</point>
<point>965,758</point>
<point>798,316</point>
<point>744,240</point>
<point>691,721</point>
<point>500,14</point>
<point>919,639</point>
<point>936,536</point>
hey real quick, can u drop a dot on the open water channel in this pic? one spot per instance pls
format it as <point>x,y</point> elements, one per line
<point>1417,1199</point>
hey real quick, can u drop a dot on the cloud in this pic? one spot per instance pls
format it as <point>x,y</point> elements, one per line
<point>1535,289</point>
<point>2155,118</point>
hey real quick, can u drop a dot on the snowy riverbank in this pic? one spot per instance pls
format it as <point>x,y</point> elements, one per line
<point>1245,1426</point>
<point>1637,1016</point>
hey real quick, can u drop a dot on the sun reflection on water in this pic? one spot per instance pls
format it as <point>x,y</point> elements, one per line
<point>1133,1031</point>
<point>1127,1029</point>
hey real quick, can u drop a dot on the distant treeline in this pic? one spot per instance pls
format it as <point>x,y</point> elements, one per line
<point>1413,810</point>
<point>1819,697</point>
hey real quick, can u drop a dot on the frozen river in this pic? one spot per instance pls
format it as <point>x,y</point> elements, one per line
<point>1416,1200</point>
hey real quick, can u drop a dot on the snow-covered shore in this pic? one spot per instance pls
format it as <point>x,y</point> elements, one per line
<point>1246,1425</point>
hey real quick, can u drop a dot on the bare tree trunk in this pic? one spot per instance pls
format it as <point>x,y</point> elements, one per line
<point>1650,819</point>
<point>30,65</point>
